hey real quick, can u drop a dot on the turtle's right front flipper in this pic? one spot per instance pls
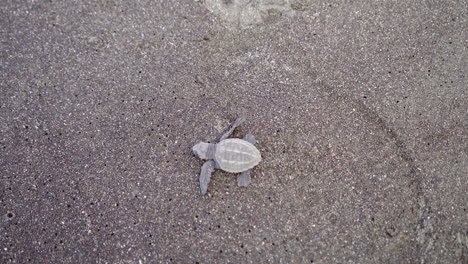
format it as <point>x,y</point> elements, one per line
<point>236,123</point>
<point>205,175</point>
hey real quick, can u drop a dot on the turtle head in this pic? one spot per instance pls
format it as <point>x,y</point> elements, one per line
<point>204,150</point>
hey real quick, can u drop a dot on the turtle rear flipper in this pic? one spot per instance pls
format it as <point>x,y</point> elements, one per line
<point>243,180</point>
<point>250,138</point>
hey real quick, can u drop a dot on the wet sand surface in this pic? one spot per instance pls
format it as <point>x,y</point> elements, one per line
<point>359,109</point>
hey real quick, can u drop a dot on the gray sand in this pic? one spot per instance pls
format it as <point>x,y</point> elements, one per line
<point>359,109</point>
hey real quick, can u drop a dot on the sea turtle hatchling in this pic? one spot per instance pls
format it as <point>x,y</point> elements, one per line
<point>229,154</point>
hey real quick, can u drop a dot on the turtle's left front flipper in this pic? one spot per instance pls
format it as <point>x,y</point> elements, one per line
<point>243,180</point>
<point>205,175</point>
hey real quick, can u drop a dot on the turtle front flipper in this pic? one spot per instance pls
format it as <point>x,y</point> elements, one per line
<point>236,123</point>
<point>243,180</point>
<point>205,175</point>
